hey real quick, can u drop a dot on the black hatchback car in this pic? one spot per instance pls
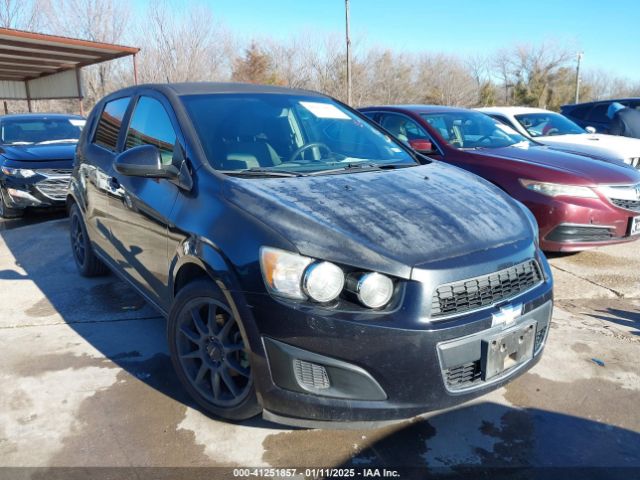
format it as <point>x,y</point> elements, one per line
<point>311,267</point>
<point>36,158</point>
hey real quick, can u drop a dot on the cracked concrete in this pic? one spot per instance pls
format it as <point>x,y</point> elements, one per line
<point>86,381</point>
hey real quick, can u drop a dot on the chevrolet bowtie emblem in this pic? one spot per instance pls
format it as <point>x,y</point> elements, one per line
<point>507,315</point>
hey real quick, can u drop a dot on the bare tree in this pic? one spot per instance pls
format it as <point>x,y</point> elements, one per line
<point>23,14</point>
<point>183,45</point>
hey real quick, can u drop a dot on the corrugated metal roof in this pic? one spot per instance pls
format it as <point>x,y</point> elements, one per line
<point>28,56</point>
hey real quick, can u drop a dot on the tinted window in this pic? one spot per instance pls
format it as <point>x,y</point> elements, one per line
<point>40,130</point>
<point>580,112</point>
<point>110,122</point>
<point>599,113</point>
<point>150,125</point>
<point>468,129</point>
<point>547,124</point>
<point>286,133</point>
<point>402,127</point>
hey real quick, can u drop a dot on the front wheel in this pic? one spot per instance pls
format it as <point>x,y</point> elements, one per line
<point>209,353</point>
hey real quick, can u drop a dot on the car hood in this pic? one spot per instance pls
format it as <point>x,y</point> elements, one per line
<point>387,220</point>
<point>589,170</point>
<point>38,153</point>
<point>610,146</point>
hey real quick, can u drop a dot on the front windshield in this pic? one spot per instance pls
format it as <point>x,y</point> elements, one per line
<point>471,130</point>
<point>40,130</point>
<point>282,133</point>
<point>547,124</point>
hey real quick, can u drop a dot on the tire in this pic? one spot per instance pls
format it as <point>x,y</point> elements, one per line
<point>5,210</point>
<point>209,354</point>
<point>88,264</point>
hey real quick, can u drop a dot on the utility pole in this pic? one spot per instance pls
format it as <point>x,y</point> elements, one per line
<point>346,6</point>
<point>580,54</point>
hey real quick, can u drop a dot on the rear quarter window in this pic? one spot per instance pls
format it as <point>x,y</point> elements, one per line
<point>110,122</point>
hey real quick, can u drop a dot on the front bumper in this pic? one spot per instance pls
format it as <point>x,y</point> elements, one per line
<point>350,368</point>
<point>574,224</point>
<point>45,189</point>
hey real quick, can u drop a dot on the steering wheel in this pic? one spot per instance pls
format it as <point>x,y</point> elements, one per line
<point>549,131</point>
<point>306,147</point>
<point>483,138</point>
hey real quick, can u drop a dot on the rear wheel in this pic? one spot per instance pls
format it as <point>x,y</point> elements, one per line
<point>5,210</point>
<point>88,264</point>
<point>209,353</point>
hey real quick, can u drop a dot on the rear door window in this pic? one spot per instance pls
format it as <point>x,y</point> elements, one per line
<point>110,122</point>
<point>151,125</point>
<point>599,113</point>
<point>402,127</point>
<point>580,112</point>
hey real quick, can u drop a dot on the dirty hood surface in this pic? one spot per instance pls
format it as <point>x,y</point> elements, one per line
<point>590,170</point>
<point>39,153</point>
<point>386,220</point>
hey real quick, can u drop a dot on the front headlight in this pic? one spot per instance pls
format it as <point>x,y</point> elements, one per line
<point>323,281</point>
<point>557,189</point>
<point>374,290</point>
<point>282,271</point>
<point>296,276</point>
<point>18,172</point>
<point>291,275</point>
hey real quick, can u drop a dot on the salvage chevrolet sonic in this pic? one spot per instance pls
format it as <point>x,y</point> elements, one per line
<point>311,267</point>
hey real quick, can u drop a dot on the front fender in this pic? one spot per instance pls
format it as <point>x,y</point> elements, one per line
<point>197,251</point>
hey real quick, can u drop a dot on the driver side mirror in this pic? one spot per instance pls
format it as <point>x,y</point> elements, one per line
<point>590,129</point>
<point>421,145</point>
<point>144,161</point>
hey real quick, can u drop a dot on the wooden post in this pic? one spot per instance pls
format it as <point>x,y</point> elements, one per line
<point>6,108</point>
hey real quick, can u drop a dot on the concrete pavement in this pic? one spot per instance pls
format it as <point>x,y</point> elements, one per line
<point>86,381</point>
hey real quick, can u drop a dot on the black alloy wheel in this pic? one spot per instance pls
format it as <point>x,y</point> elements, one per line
<point>88,264</point>
<point>209,353</point>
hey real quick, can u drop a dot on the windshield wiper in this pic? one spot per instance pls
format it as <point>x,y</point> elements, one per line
<point>362,167</point>
<point>261,172</point>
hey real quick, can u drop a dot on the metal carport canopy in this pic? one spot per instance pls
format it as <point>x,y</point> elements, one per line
<point>35,66</point>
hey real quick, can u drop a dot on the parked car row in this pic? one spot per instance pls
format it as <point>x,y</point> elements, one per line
<point>317,264</point>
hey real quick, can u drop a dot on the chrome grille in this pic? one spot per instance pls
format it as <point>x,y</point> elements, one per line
<point>478,292</point>
<point>54,171</point>
<point>54,188</point>
<point>633,205</point>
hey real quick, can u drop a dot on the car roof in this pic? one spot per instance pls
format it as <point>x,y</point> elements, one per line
<point>26,116</point>
<point>593,102</point>
<point>204,88</point>
<point>418,108</point>
<point>513,110</point>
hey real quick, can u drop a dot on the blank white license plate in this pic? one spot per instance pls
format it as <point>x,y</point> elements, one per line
<point>635,226</point>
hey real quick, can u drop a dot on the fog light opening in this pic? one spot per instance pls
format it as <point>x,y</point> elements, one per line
<point>311,375</point>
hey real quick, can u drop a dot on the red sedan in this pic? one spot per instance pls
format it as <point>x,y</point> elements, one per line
<point>579,202</point>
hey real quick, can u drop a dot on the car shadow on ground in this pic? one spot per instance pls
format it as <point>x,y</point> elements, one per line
<point>626,318</point>
<point>113,319</point>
